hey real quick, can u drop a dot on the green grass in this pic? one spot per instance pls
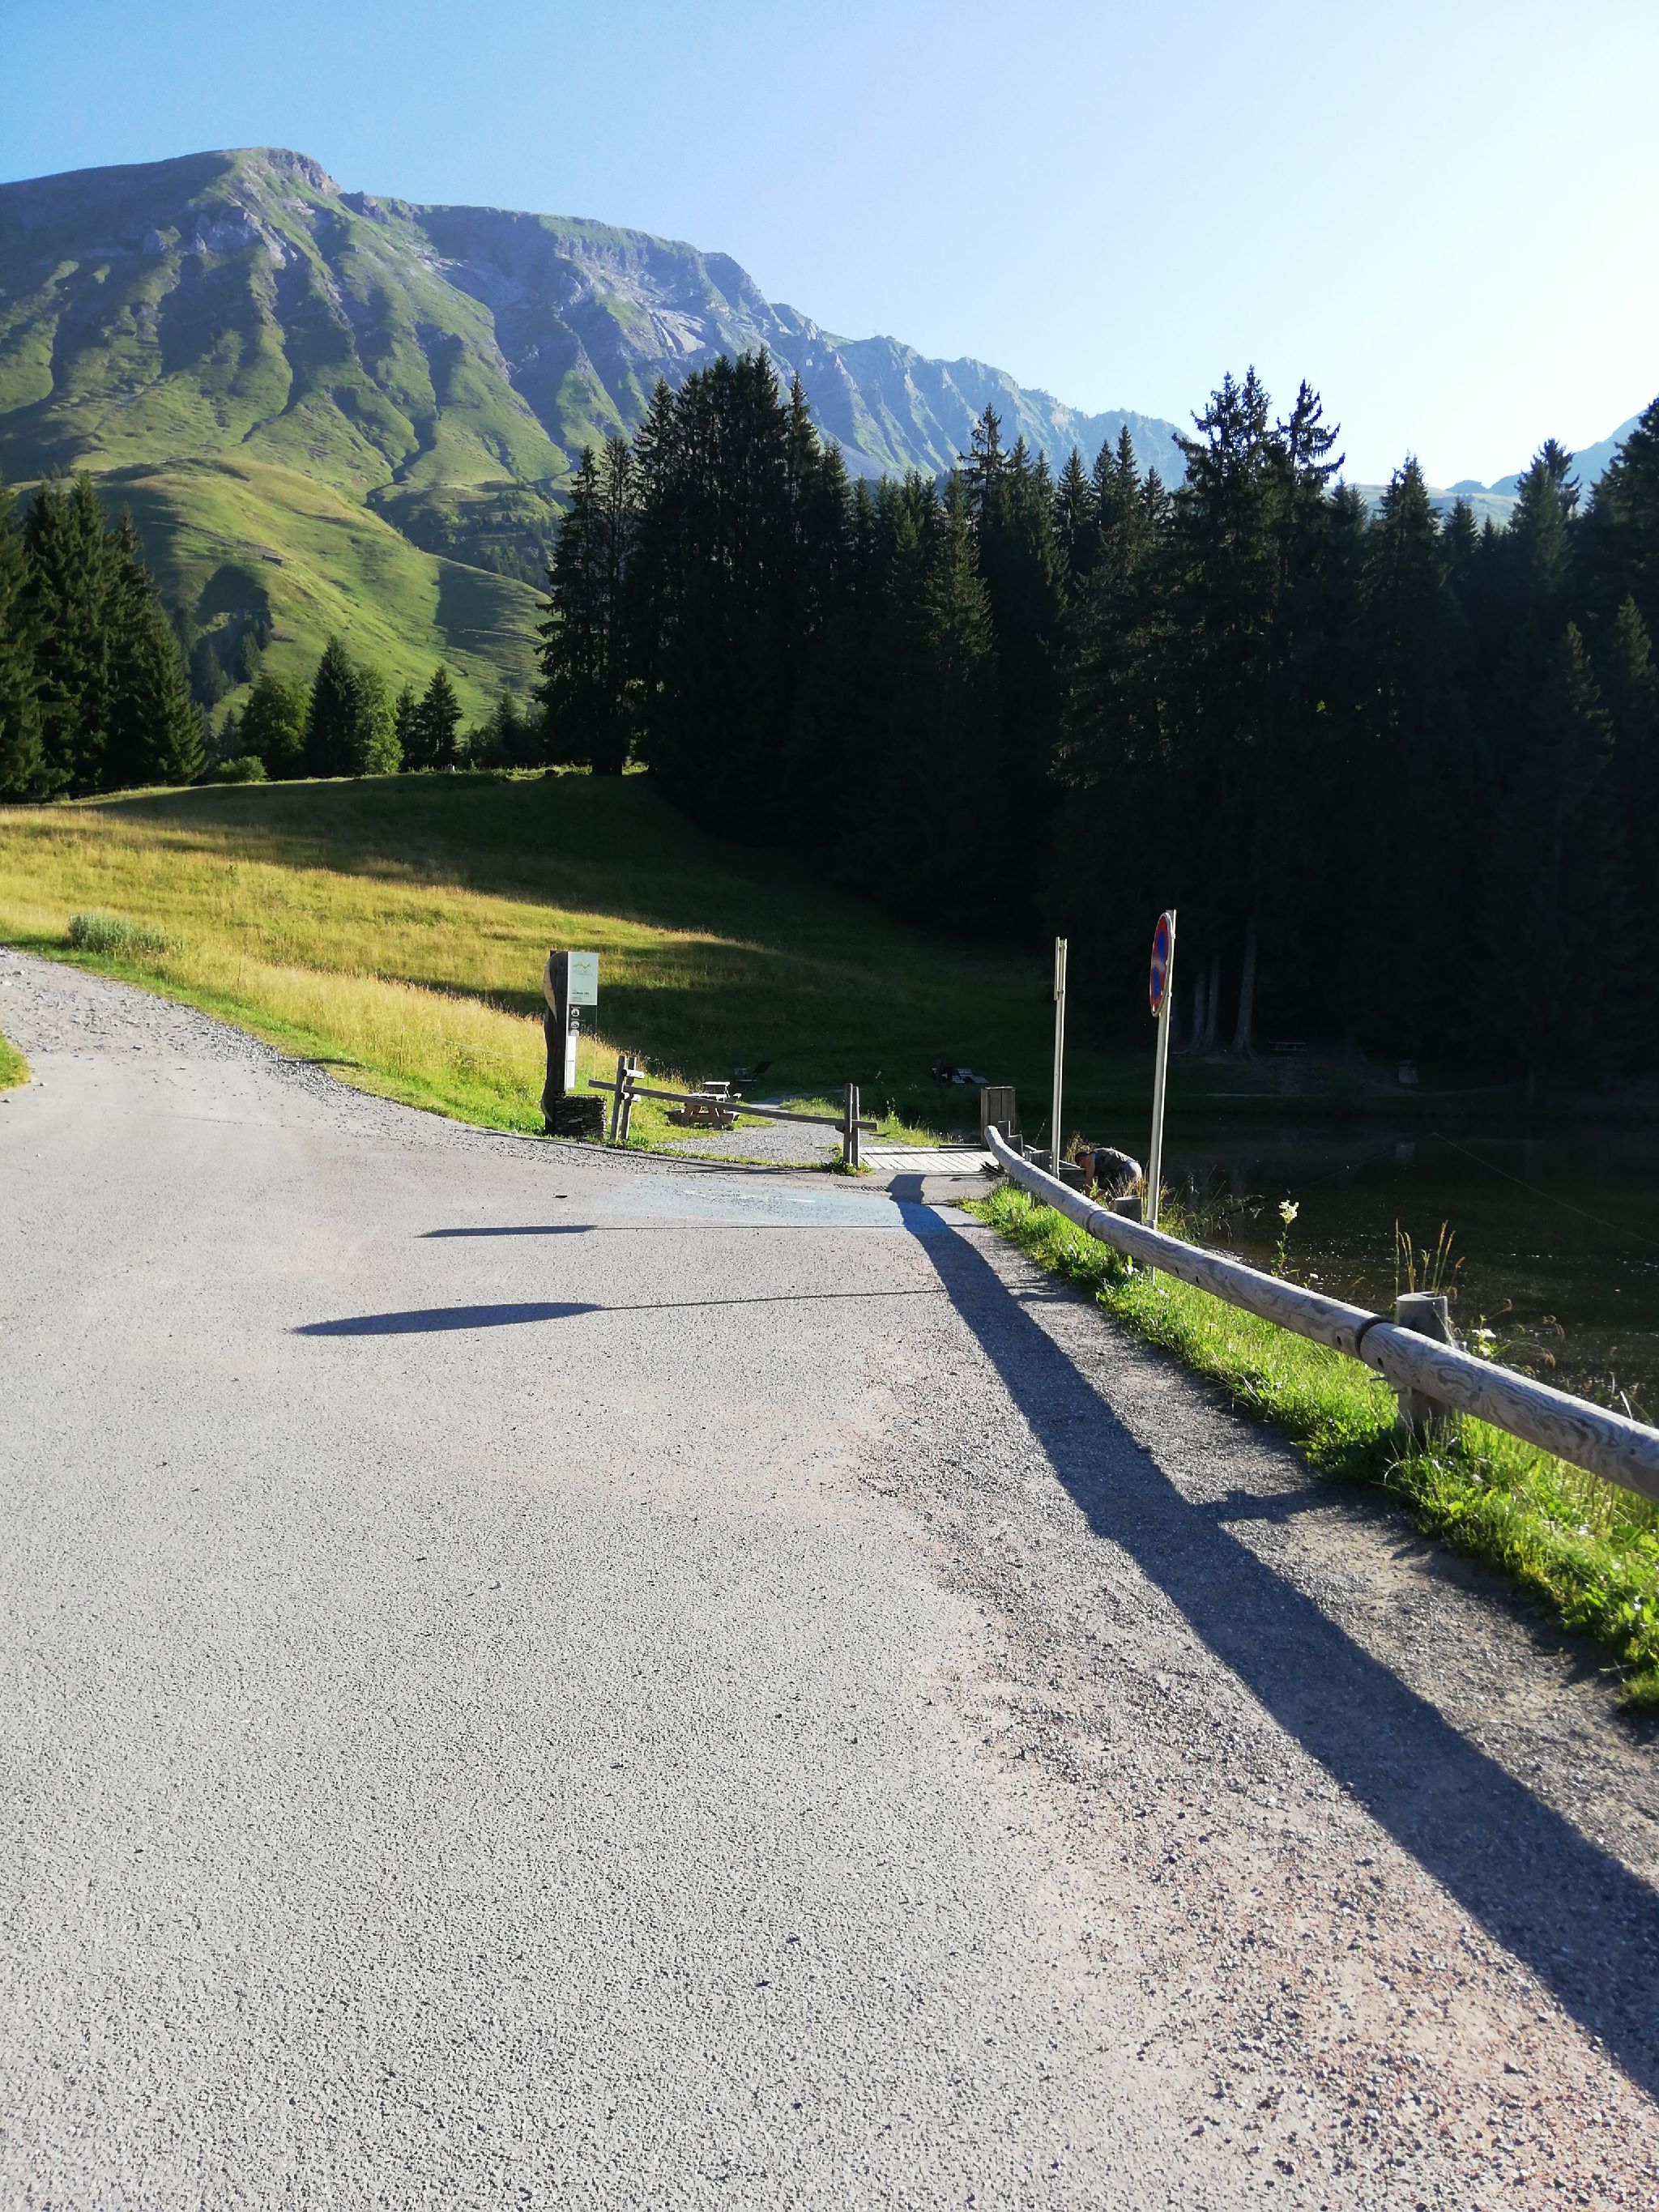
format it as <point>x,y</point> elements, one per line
<point>1586,1549</point>
<point>209,526</point>
<point>397,928</point>
<point>14,1068</point>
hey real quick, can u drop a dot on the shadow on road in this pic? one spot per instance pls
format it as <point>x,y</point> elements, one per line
<point>420,1319</point>
<point>529,1229</point>
<point>1584,1924</point>
<point>426,1319</point>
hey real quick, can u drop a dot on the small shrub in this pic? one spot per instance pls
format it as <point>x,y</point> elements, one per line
<point>113,938</point>
<point>246,768</point>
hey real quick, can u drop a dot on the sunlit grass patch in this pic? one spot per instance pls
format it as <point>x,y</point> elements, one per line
<point>1587,1548</point>
<point>14,1068</point>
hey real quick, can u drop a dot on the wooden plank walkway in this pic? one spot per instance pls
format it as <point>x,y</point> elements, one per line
<point>918,1159</point>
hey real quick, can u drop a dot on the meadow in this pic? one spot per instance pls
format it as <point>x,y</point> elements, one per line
<point>395,929</point>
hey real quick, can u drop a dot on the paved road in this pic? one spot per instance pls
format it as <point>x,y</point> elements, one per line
<point>536,1679</point>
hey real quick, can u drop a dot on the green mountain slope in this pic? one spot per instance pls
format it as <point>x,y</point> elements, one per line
<point>252,356</point>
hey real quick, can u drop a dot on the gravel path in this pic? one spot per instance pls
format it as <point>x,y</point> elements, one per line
<point>538,1678</point>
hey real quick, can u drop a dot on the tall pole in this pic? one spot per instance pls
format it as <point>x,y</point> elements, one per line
<point>1160,1067</point>
<point>1054,1138</point>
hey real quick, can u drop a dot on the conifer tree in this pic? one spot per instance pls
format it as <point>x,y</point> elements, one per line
<point>331,733</point>
<point>70,580</point>
<point>1555,979</point>
<point>1621,533</point>
<point>584,688</point>
<point>375,746</point>
<point>1629,683</point>
<point>23,762</point>
<point>405,713</point>
<point>436,721</point>
<point>154,730</point>
<point>273,727</point>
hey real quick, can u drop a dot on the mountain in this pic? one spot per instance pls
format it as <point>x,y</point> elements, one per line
<point>1586,466</point>
<point>332,410</point>
<point>1496,499</point>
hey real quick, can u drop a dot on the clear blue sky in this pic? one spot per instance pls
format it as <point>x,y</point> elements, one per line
<point>1442,214</point>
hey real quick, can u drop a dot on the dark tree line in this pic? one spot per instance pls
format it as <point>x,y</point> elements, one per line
<point>97,693</point>
<point>93,691</point>
<point>1399,774</point>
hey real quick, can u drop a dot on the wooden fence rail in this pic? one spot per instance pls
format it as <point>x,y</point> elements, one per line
<point>627,1087</point>
<point>1622,1452</point>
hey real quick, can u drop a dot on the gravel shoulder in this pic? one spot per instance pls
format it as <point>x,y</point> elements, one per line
<point>535,1678</point>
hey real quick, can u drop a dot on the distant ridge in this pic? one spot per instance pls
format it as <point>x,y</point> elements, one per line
<point>331,409</point>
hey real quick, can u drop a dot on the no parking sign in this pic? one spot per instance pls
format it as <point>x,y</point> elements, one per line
<point>1157,983</point>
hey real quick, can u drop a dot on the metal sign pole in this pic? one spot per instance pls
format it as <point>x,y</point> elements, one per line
<point>1055,1140</point>
<point>1164,983</point>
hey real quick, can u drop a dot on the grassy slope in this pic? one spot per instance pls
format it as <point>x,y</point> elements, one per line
<point>207,526</point>
<point>14,1068</point>
<point>1588,1550</point>
<point>401,924</point>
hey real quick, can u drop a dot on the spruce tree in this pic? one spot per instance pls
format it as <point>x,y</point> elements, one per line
<point>23,773</point>
<point>331,733</point>
<point>404,715</point>
<point>274,727</point>
<point>154,730</point>
<point>1621,531</point>
<point>1556,981</point>
<point>437,721</point>
<point>1629,683</point>
<point>375,746</point>
<point>70,574</point>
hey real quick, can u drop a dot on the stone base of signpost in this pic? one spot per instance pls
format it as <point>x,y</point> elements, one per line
<point>571,1115</point>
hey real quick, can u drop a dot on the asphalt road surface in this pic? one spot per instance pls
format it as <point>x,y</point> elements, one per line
<point>533,1679</point>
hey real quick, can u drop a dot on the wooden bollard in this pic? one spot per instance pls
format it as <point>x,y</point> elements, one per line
<point>1426,1313</point>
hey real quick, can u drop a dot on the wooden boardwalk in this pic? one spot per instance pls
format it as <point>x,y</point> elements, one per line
<point>887,1160</point>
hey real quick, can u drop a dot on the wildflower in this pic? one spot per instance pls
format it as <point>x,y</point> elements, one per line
<point>1288,1209</point>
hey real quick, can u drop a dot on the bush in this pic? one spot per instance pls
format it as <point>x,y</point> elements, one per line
<point>245,768</point>
<point>114,940</point>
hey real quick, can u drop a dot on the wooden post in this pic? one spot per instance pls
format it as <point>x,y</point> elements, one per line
<point>849,1126</point>
<point>617,1096</point>
<point>1426,1314</point>
<point>630,1076</point>
<point>1057,1141</point>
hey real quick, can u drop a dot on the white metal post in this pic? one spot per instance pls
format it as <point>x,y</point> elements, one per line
<point>1055,1138</point>
<point>1154,1158</point>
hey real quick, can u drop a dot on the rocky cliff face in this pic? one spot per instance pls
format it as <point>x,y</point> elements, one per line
<point>441,366</point>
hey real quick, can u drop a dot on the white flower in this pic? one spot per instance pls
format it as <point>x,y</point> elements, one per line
<point>1288,1209</point>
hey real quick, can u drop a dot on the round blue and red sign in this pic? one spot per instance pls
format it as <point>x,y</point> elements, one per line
<point>1158,982</point>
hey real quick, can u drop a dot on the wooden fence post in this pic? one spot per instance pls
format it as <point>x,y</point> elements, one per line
<point>849,1126</point>
<point>616,1096</point>
<point>1426,1313</point>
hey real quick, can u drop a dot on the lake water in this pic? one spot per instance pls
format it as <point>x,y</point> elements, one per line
<point>1557,1233</point>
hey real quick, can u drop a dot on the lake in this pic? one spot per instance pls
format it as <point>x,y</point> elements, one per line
<point>1558,1231</point>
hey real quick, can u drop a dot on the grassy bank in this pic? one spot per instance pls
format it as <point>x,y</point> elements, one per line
<point>396,929</point>
<point>1586,1549</point>
<point>14,1068</point>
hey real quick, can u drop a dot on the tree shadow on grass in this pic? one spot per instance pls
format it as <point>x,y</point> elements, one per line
<point>1574,1914</point>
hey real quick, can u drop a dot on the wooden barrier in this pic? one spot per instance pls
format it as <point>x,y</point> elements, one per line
<point>627,1087</point>
<point>1417,1365</point>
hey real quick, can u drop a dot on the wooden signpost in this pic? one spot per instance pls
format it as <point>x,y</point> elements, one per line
<point>570,981</point>
<point>1160,990</point>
